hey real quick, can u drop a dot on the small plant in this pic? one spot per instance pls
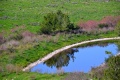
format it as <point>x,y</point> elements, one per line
<point>10,68</point>
<point>1,69</point>
<point>15,36</point>
<point>27,34</point>
<point>2,40</point>
<point>117,29</point>
<point>33,77</point>
<point>89,25</point>
<point>77,76</point>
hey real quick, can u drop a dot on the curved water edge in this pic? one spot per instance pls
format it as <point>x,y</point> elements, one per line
<point>64,48</point>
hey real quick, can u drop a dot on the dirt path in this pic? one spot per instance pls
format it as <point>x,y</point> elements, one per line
<point>62,49</point>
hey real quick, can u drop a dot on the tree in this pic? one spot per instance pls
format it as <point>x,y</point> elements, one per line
<point>54,22</point>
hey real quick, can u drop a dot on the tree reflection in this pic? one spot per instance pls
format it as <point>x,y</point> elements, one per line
<point>61,59</point>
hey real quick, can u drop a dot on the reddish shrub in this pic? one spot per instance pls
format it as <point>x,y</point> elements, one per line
<point>12,43</point>
<point>110,21</point>
<point>28,39</point>
<point>107,23</point>
<point>17,28</point>
<point>13,68</point>
<point>1,69</point>
<point>27,34</point>
<point>89,25</point>
<point>77,76</point>
<point>3,47</point>
<point>9,45</point>
<point>2,40</point>
<point>10,67</point>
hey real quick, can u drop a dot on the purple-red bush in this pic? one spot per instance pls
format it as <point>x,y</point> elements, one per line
<point>13,68</point>
<point>17,28</point>
<point>111,21</point>
<point>2,40</point>
<point>27,34</point>
<point>89,25</point>
<point>108,22</point>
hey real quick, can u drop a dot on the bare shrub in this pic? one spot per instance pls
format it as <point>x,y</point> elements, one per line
<point>17,28</point>
<point>77,76</point>
<point>97,72</point>
<point>41,37</point>
<point>88,26</point>
<point>33,77</point>
<point>27,39</point>
<point>12,68</point>
<point>110,21</point>
<point>60,71</point>
<point>27,34</point>
<point>55,39</point>
<point>9,45</point>
<point>46,38</point>
<point>2,40</point>
<point>3,47</point>
<point>12,43</point>
<point>106,24</point>
<point>14,36</point>
<point>1,69</point>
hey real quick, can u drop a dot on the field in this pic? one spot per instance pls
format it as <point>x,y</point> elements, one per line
<point>30,12</point>
<point>20,21</point>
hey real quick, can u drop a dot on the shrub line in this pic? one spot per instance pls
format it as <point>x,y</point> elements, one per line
<point>62,49</point>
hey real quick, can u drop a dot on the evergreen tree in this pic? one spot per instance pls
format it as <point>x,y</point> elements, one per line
<point>54,22</point>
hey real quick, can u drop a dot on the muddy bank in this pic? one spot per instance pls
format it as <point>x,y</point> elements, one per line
<point>62,49</point>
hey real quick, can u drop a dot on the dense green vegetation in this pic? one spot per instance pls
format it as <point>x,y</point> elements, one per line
<point>110,71</point>
<point>118,28</point>
<point>55,22</point>
<point>113,70</point>
<point>21,20</point>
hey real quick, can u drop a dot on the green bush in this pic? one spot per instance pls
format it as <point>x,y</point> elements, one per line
<point>103,25</point>
<point>54,22</point>
<point>113,70</point>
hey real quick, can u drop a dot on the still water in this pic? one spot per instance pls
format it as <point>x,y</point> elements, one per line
<point>79,59</point>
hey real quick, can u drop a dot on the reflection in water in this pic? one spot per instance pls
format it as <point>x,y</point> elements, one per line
<point>61,59</point>
<point>77,59</point>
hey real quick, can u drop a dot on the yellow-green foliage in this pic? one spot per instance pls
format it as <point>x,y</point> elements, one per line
<point>113,70</point>
<point>117,28</point>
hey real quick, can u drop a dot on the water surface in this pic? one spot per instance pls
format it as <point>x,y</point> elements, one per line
<point>79,59</point>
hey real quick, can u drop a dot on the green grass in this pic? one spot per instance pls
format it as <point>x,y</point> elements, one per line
<point>33,76</point>
<point>31,12</point>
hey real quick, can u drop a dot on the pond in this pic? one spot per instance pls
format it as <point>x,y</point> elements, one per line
<point>80,59</point>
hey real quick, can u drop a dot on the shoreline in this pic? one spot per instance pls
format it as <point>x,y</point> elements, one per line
<point>64,48</point>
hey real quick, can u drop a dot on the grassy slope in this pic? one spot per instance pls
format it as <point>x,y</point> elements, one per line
<point>31,12</point>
